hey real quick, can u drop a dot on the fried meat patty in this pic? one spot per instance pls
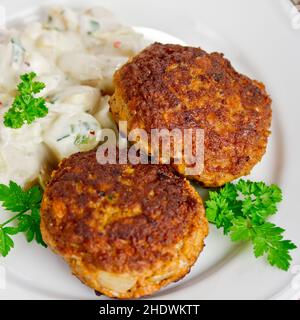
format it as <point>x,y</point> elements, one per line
<point>125,230</point>
<point>172,86</point>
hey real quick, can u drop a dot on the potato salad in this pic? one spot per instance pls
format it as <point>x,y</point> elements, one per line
<point>75,54</point>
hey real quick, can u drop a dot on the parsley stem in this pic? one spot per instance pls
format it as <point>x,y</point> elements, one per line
<point>11,219</point>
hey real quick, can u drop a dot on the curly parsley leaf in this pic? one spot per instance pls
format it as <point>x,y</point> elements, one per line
<point>26,107</point>
<point>25,205</point>
<point>242,210</point>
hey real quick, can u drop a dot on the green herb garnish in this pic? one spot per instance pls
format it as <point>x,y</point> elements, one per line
<point>25,205</point>
<point>242,210</point>
<point>94,26</point>
<point>81,139</point>
<point>26,107</point>
<point>63,137</point>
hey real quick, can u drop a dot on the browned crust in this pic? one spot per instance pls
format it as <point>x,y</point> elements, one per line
<point>171,86</point>
<point>119,218</point>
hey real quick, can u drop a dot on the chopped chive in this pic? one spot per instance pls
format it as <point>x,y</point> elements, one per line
<point>63,137</point>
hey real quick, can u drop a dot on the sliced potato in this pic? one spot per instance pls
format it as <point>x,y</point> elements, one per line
<point>69,134</point>
<point>85,97</point>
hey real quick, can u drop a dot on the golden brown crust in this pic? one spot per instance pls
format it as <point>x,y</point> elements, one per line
<point>171,86</point>
<point>124,219</point>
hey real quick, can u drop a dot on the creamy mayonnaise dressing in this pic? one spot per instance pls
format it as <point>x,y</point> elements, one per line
<point>75,53</point>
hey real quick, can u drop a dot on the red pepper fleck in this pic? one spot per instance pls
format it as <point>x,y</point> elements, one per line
<point>117,44</point>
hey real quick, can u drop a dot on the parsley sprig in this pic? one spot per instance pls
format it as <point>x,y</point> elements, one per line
<point>26,107</point>
<point>26,208</point>
<point>242,210</point>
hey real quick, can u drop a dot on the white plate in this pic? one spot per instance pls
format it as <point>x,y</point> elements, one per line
<point>261,38</point>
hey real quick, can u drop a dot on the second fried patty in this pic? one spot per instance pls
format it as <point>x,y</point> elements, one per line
<point>125,230</point>
<point>173,86</point>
